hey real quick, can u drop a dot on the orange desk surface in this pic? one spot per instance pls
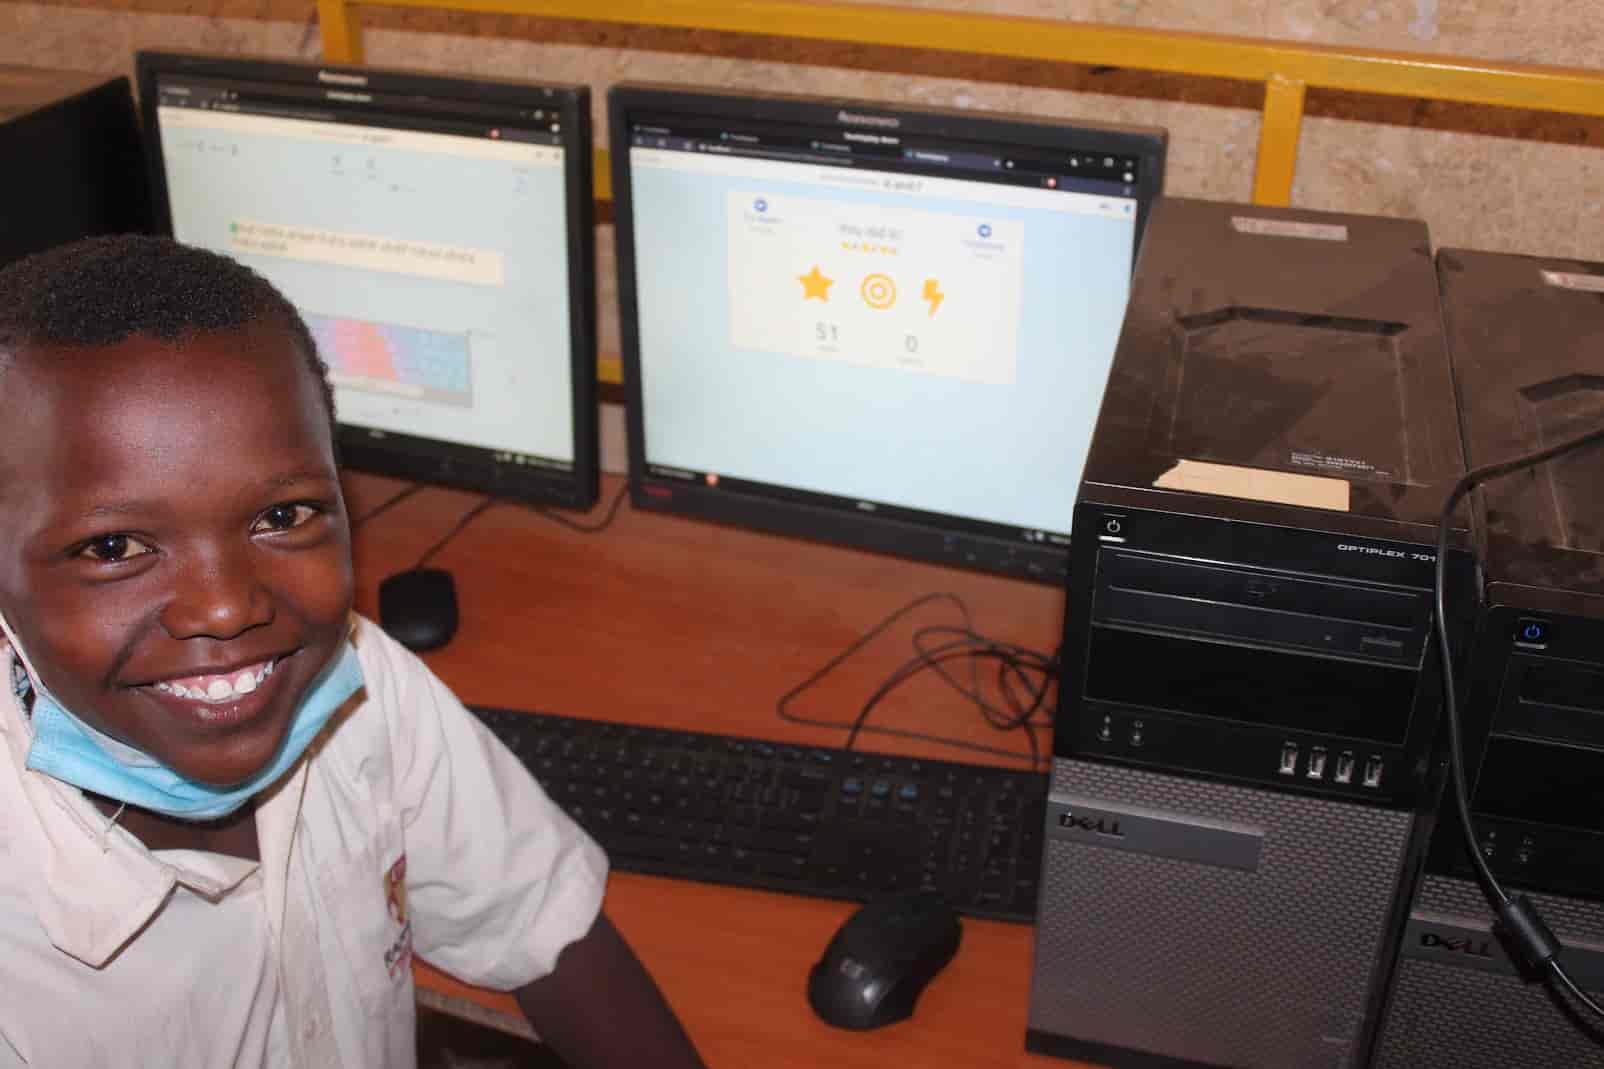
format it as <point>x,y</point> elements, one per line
<point>697,626</point>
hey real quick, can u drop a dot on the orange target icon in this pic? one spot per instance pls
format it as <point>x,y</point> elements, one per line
<point>878,291</point>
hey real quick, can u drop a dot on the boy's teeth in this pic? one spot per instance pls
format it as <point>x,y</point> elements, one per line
<point>219,688</point>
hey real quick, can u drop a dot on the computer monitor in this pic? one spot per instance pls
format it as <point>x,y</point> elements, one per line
<point>873,325</point>
<point>84,172</point>
<point>434,232</point>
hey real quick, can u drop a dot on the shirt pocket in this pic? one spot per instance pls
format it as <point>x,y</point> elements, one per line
<point>366,897</point>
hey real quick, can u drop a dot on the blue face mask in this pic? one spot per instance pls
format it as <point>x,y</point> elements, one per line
<point>67,749</point>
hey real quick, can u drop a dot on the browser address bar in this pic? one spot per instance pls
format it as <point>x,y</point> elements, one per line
<point>233,122</point>
<point>992,194</point>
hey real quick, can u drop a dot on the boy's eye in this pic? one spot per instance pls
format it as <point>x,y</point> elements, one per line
<point>283,518</point>
<point>114,547</point>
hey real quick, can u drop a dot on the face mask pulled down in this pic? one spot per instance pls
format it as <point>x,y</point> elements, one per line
<point>66,748</point>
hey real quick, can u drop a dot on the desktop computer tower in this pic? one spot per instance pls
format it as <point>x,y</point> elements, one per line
<point>75,167</point>
<point>1526,336</point>
<point>1244,768</point>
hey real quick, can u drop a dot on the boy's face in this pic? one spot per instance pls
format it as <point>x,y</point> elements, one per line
<point>174,554</point>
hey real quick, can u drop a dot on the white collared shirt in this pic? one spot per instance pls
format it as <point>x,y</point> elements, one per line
<point>407,827</point>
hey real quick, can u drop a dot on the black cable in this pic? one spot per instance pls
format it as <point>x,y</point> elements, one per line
<point>918,664</point>
<point>1008,669</point>
<point>1518,920</point>
<point>1023,714</point>
<point>869,636</point>
<point>971,645</point>
<point>473,514</point>
<point>467,518</point>
<point>925,658</point>
<point>588,528</point>
<point>1576,992</point>
<point>386,505</point>
<point>1011,661</point>
<point>1010,658</point>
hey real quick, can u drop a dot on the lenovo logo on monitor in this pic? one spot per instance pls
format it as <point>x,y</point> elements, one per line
<point>858,118</point>
<point>337,78</point>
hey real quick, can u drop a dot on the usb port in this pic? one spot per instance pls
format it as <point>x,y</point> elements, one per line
<point>1289,758</point>
<point>1344,772</point>
<point>1317,763</point>
<point>1373,772</point>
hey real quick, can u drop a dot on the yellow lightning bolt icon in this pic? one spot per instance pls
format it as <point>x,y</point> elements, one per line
<point>933,294</point>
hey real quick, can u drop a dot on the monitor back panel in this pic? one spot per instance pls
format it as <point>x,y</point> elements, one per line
<point>85,171</point>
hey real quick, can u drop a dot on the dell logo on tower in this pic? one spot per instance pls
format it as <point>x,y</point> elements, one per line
<point>1476,948</point>
<point>1181,836</point>
<point>1097,825</point>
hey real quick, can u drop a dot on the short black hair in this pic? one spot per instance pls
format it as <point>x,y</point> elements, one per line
<point>101,290</point>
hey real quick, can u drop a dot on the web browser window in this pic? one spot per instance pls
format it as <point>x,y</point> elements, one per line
<point>887,322</point>
<point>427,253</point>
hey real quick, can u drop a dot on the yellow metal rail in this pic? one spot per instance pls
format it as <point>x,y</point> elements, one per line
<point>1286,69</point>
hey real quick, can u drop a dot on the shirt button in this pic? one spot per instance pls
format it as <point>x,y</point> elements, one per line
<point>311,1029</point>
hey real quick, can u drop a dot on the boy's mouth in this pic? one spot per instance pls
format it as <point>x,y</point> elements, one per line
<point>221,688</point>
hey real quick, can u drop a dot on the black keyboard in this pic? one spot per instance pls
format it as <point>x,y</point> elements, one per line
<point>809,820</point>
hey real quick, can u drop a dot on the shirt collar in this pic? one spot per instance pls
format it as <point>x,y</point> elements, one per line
<point>95,884</point>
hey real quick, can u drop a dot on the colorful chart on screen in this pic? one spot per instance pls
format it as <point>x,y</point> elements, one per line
<point>399,361</point>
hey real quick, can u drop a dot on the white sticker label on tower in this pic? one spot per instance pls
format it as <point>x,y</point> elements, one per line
<point>1289,228</point>
<point>1568,280</point>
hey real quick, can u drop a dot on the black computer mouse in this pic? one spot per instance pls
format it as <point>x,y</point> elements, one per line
<point>419,608</point>
<point>880,961</point>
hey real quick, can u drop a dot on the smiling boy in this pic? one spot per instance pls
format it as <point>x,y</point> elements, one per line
<point>229,809</point>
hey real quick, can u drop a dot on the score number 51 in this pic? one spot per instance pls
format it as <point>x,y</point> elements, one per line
<point>830,334</point>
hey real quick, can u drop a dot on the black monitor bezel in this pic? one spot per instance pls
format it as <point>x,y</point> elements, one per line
<point>901,532</point>
<point>408,456</point>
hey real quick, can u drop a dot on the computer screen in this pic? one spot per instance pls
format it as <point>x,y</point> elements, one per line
<point>434,232</point>
<point>871,325</point>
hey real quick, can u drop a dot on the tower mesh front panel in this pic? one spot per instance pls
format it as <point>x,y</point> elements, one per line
<point>1455,1017</point>
<point>1269,968</point>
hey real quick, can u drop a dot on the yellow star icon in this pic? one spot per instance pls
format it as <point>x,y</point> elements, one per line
<point>815,284</point>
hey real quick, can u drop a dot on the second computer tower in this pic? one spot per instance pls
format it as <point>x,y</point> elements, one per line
<point>1243,757</point>
<point>1527,340</point>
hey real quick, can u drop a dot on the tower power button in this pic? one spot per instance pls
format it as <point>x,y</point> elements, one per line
<point>1532,632</point>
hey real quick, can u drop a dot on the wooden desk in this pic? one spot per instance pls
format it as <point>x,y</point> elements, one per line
<point>696,626</point>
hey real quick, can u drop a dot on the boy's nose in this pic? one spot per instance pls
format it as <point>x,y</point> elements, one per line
<point>218,597</point>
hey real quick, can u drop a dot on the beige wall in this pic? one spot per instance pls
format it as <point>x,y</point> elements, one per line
<point>1483,178</point>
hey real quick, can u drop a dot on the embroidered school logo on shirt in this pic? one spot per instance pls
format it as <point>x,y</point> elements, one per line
<point>399,956</point>
<point>21,685</point>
